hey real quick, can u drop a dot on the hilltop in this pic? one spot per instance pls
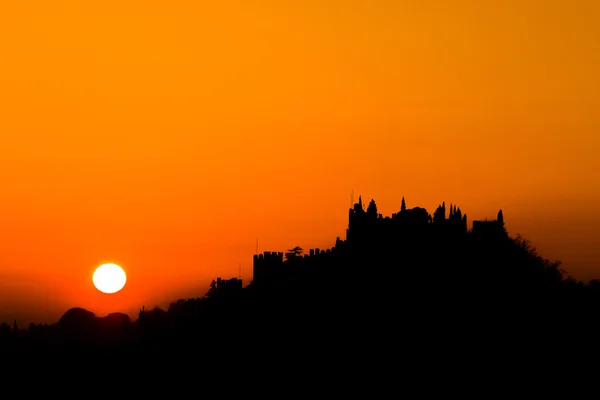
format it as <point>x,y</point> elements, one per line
<point>411,275</point>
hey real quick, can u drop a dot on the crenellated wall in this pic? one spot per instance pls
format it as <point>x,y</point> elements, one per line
<point>368,225</point>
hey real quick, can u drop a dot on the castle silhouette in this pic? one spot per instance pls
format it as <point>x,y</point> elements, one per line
<point>425,278</point>
<point>368,229</point>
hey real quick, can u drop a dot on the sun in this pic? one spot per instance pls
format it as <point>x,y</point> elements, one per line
<point>109,278</point>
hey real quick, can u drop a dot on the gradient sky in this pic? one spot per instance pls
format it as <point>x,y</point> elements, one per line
<point>167,136</point>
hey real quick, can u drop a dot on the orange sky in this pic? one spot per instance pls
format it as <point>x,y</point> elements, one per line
<point>168,136</point>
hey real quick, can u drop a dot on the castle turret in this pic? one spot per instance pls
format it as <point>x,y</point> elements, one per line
<point>496,227</point>
<point>266,264</point>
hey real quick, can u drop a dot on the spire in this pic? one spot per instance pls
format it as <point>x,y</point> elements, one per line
<point>403,206</point>
<point>360,201</point>
<point>500,217</point>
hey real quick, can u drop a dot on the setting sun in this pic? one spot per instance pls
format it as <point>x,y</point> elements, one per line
<point>109,278</point>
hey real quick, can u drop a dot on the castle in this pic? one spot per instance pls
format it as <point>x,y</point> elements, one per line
<point>367,226</point>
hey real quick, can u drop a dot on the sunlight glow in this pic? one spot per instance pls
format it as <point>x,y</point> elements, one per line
<point>109,278</point>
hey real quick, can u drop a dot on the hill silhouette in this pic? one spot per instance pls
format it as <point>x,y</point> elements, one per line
<point>410,278</point>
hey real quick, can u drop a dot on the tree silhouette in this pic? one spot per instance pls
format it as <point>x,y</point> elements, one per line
<point>293,253</point>
<point>440,214</point>
<point>212,290</point>
<point>372,209</point>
